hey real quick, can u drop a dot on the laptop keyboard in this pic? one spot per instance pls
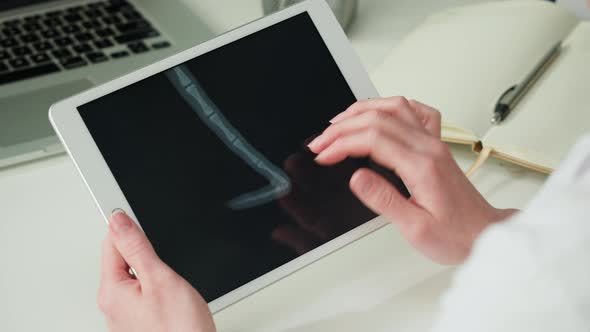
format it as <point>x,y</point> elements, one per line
<point>74,37</point>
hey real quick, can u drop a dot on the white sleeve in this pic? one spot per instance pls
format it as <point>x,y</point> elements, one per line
<point>531,273</point>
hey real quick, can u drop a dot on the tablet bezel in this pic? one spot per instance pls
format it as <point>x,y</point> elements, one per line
<point>101,183</point>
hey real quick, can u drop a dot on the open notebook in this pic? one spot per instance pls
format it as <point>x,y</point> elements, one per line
<point>462,60</point>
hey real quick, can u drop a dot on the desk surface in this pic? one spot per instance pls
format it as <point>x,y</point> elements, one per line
<point>50,230</point>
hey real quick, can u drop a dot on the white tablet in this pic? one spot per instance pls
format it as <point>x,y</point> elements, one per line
<point>207,151</point>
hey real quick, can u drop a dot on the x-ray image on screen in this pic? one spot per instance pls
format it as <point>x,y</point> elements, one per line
<point>190,90</point>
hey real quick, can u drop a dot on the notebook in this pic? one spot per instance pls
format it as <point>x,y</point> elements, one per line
<point>462,60</point>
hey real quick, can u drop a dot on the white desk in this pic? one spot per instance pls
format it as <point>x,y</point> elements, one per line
<point>50,231</point>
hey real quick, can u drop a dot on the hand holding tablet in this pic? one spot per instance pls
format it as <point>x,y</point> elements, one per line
<point>163,299</point>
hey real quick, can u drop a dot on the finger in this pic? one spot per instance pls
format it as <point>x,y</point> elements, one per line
<point>114,267</point>
<point>395,105</point>
<point>387,151</point>
<point>381,120</point>
<point>296,238</point>
<point>133,245</point>
<point>383,198</point>
<point>308,140</point>
<point>114,272</point>
<point>430,117</point>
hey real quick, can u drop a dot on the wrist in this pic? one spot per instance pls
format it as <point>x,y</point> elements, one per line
<point>494,216</point>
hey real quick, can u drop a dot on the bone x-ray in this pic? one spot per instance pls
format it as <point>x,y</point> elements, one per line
<point>212,157</point>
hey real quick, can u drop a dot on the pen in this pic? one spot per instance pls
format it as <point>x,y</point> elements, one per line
<point>513,95</point>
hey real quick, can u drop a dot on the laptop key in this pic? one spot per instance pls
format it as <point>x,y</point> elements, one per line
<point>138,47</point>
<point>33,18</point>
<point>73,62</point>
<point>120,54</point>
<point>82,48</point>
<point>132,15</point>
<point>96,57</point>
<point>29,38</point>
<point>111,20</point>
<point>62,53</point>
<point>137,35</point>
<point>72,18</point>
<point>116,7</point>
<point>11,31</point>
<point>18,63</point>
<point>42,46</point>
<point>103,43</point>
<point>4,55</point>
<point>3,67</point>
<point>40,58</point>
<point>92,24</point>
<point>52,22</point>
<point>8,42</point>
<point>133,26</point>
<point>94,13</point>
<point>83,37</point>
<point>162,44</point>
<point>21,51</point>
<point>49,33</point>
<point>13,22</point>
<point>70,28</point>
<point>63,42</point>
<point>31,26</point>
<point>106,32</point>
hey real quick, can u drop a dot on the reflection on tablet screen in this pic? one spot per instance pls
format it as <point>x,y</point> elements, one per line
<point>211,155</point>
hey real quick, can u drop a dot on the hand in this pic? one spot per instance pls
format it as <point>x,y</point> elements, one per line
<point>445,213</point>
<point>158,300</point>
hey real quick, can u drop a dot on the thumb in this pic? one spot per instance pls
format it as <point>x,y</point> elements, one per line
<point>133,245</point>
<point>383,198</point>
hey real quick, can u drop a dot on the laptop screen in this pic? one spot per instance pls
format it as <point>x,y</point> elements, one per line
<point>11,4</point>
<point>212,157</point>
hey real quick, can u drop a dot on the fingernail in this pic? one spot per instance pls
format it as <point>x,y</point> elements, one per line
<point>313,145</point>
<point>120,222</point>
<point>310,139</point>
<point>337,118</point>
<point>319,157</point>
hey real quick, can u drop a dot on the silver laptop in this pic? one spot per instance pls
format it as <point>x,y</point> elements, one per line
<point>52,49</point>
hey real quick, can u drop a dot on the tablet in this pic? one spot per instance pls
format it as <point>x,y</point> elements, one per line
<point>206,150</point>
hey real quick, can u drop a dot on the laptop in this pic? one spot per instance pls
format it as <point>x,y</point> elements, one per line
<point>51,49</point>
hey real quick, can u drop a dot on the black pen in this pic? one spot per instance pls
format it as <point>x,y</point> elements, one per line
<point>513,95</point>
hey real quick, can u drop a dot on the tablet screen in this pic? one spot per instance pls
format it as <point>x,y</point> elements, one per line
<point>211,155</point>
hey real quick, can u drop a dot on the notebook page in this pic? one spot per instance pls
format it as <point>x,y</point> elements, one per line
<point>461,60</point>
<point>555,112</point>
